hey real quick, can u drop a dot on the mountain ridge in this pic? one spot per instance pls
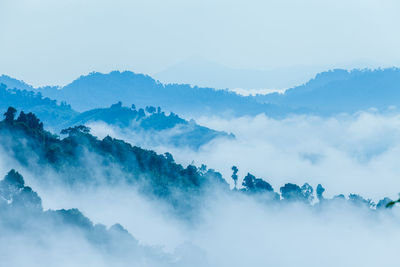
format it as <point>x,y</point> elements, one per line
<point>97,90</point>
<point>339,90</point>
<point>331,92</point>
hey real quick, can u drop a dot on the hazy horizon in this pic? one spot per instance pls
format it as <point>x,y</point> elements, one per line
<point>200,80</point>
<point>53,42</point>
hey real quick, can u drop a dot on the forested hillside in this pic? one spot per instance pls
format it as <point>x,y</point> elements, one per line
<point>32,101</point>
<point>340,90</point>
<point>98,90</point>
<point>330,92</point>
<point>23,219</point>
<point>158,127</point>
<point>119,162</point>
<point>152,124</point>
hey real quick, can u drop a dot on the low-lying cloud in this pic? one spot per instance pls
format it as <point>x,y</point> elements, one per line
<point>237,230</point>
<point>347,153</point>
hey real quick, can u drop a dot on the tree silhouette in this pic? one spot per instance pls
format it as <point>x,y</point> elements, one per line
<point>307,192</point>
<point>392,203</point>
<point>81,129</point>
<point>252,184</point>
<point>10,114</point>
<point>141,114</point>
<point>234,175</point>
<point>150,109</point>
<point>291,192</point>
<point>320,192</point>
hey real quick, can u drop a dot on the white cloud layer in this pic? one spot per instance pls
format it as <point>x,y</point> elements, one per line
<point>234,230</point>
<point>346,154</point>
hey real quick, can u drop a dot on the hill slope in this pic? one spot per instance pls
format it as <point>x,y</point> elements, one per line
<point>152,125</point>
<point>161,129</point>
<point>98,90</point>
<point>32,101</point>
<point>330,92</point>
<point>342,91</point>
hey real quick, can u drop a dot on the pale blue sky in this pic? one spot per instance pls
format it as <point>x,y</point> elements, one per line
<point>53,42</point>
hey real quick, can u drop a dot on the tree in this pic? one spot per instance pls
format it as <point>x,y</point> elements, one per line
<point>117,105</point>
<point>392,203</point>
<point>80,129</point>
<point>12,183</point>
<point>10,114</point>
<point>234,175</point>
<point>256,185</point>
<point>150,109</point>
<point>29,199</point>
<point>33,122</point>
<point>169,157</point>
<point>203,169</point>
<point>383,203</point>
<point>292,192</point>
<point>359,200</point>
<point>307,192</point>
<point>14,178</point>
<point>22,117</point>
<point>30,120</point>
<point>141,114</point>
<point>320,192</point>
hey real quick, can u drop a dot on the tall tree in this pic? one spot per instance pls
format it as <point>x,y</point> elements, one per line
<point>320,192</point>
<point>234,175</point>
<point>10,114</point>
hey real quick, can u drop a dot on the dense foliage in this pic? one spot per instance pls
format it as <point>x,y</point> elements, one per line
<point>33,101</point>
<point>330,92</point>
<point>154,173</point>
<point>158,127</point>
<point>153,123</point>
<point>26,139</point>
<point>98,90</point>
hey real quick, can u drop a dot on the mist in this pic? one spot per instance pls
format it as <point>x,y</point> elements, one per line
<point>240,230</point>
<point>345,153</point>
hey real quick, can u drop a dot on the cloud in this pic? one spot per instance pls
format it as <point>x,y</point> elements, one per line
<point>237,230</point>
<point>346,153</point>
<point>354,153</point>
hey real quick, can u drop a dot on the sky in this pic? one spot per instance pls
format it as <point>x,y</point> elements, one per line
<point>53,42</point>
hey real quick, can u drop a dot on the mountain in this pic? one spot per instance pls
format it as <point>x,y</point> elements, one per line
<point>73,158</point>
<point>161,129</point>
<point>13,83</point>
<point>153,124</point>
<point>33,231</point>
<point>98,90</point>
<point>330,92</point>
<point>50,237</point>
<point>33,101</point>
<point>115,161</point>
<point>340,90</point>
